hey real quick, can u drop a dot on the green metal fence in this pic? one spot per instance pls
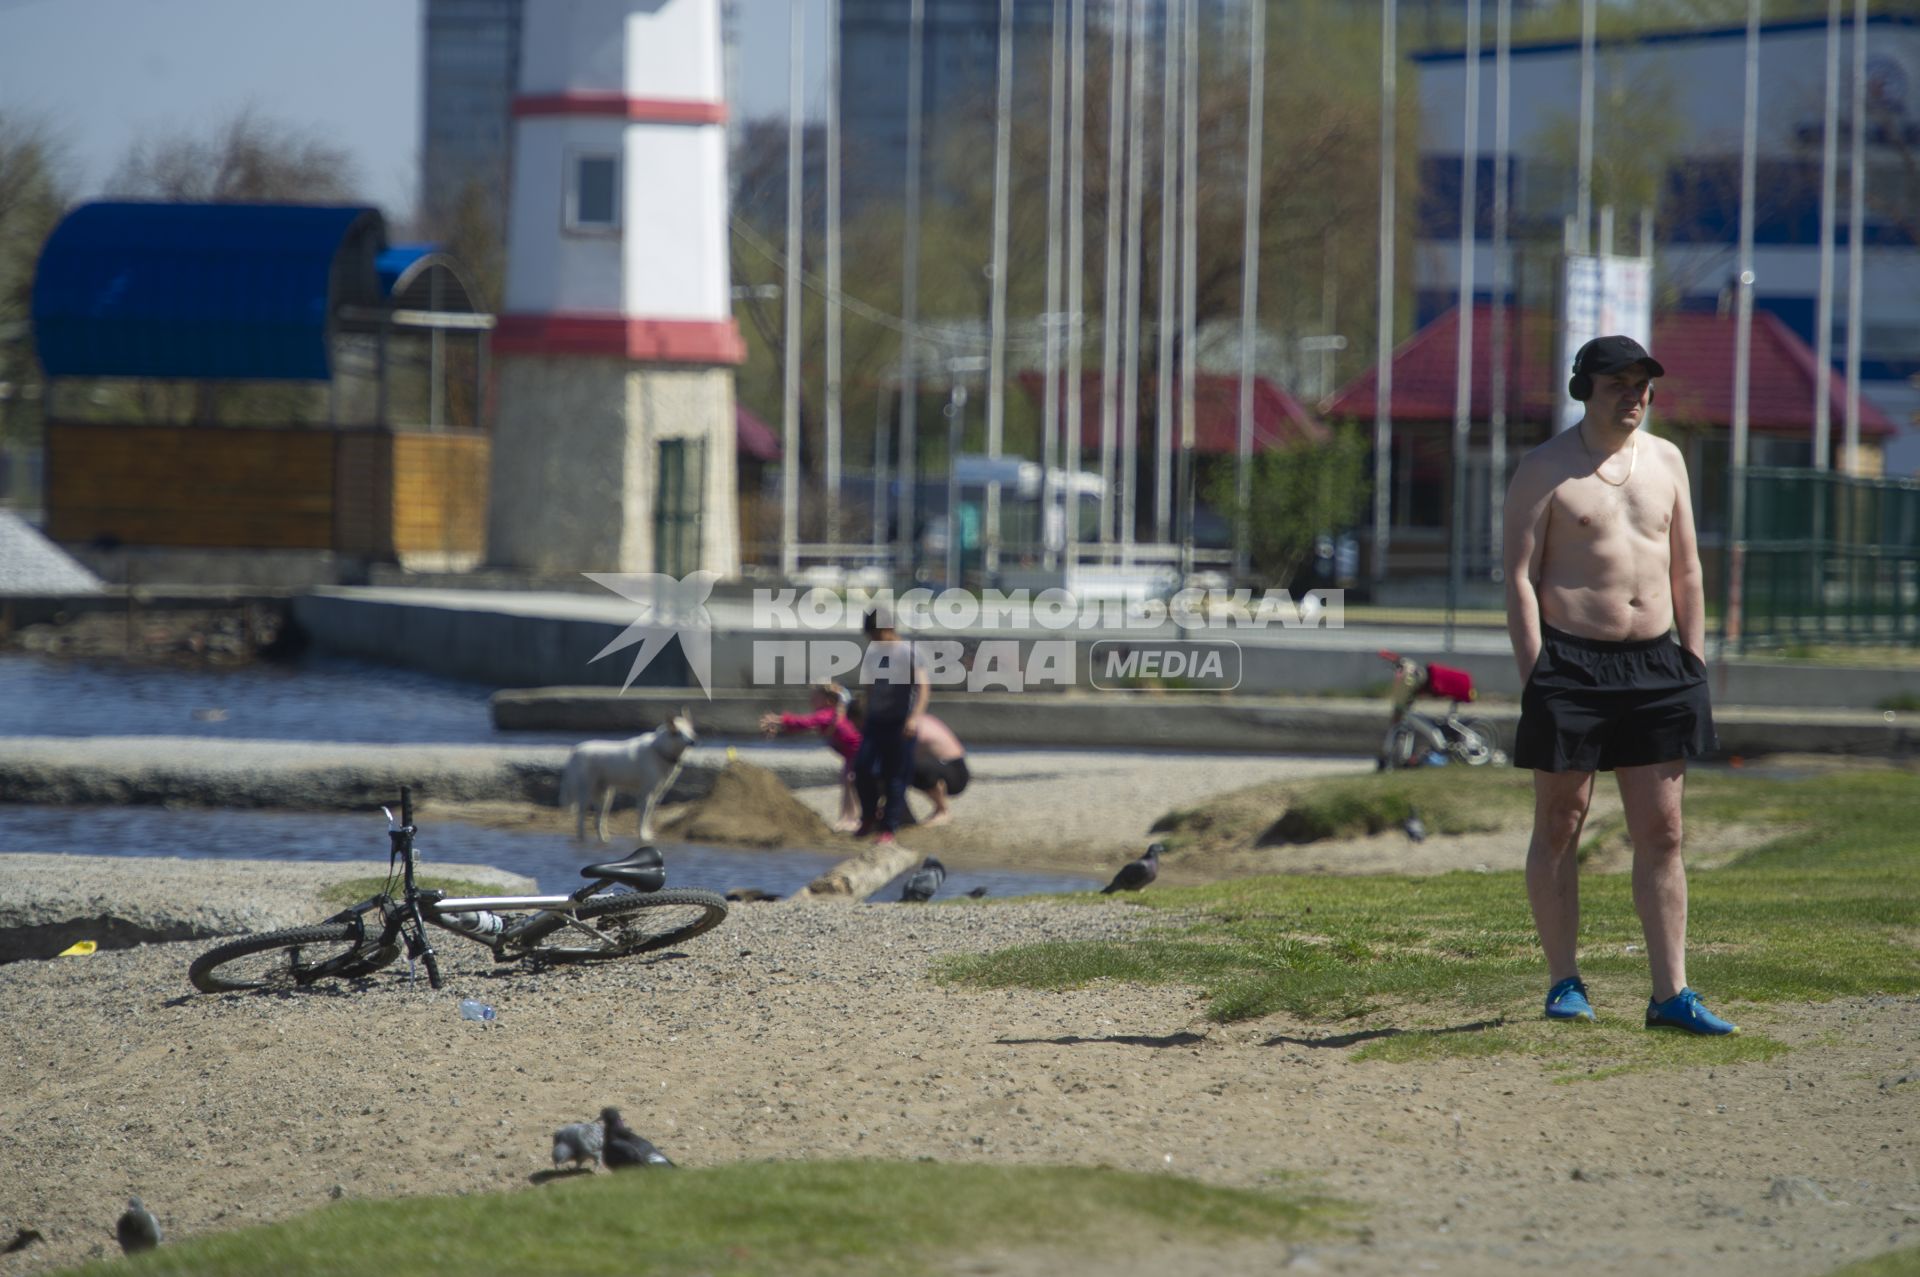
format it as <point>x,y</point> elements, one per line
<point>1829,559</point>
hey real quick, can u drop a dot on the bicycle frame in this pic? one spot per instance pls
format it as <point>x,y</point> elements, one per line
<point>365,937</point>
<point>423,905</point>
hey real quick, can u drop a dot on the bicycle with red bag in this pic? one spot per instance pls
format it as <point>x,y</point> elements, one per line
<point>1416,739</point>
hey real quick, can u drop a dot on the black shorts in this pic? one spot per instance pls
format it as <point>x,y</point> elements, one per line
<point>1594,705</point>
<point>929,771</point>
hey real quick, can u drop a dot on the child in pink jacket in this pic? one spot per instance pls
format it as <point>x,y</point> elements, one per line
<point>829,718</point>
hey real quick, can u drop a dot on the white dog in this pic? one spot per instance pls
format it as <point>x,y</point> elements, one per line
<point>644,766</point>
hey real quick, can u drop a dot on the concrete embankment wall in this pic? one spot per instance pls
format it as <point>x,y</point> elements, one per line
<point>516,640</point>
<point>1141,720</point>
<point>325,777</point>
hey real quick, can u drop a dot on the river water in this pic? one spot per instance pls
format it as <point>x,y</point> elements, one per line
<point>333,700</point>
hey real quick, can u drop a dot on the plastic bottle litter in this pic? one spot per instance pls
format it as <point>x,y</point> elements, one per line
<point>479,922</point>
<point>79,949</point>
<point>472,1010</point>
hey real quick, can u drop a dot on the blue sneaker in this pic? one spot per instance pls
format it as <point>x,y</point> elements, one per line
<point>1567,1000</point>
<point>1684,1011</point>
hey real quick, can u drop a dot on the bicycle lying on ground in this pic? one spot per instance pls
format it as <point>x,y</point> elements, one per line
<point>593,924</point>
<point>1414,739</point>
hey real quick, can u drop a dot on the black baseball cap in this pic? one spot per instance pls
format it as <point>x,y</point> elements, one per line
<point>1605,355</point>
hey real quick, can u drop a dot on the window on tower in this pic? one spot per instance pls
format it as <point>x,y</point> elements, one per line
<point>593,192</point>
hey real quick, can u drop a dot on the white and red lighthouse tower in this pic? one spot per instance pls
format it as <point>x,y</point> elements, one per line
<point>614,443</point>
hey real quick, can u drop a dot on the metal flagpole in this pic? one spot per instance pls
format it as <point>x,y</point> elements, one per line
<point>909,451</point>
<point>1823,309</point>
<point>879,472</point>
<point>1130,405</point>
<point>1583,197</point>
<point>1169,266</point>
<point>1743,331</point>
<point>1383,377</point>
<point>1463,367</point>
<point>1502,111</point>
<point>1110,300</point>
<point>833,273</point>
<point>1189,255</point>
<point>790,372</point>
<point>997,320</point>
<point>1076,269</point>
<point>1250,281</point>
<point>1856,233</point>
<point>1050,406</point>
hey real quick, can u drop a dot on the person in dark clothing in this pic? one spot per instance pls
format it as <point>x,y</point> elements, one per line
<point>897,691</point>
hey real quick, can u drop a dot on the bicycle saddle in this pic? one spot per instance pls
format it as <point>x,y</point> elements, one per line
<point>644,870</point>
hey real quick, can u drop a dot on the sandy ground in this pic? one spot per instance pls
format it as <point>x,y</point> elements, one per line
<point>813,1031</point>
<point>1078,811</point>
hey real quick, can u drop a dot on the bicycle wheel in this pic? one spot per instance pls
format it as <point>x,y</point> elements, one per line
<point>632,922</point>
<point>290,959</point>
<point>1478,744</point>
<point>1402,748</point>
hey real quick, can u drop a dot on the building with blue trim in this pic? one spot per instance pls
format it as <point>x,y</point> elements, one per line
<point>260,377</point>
<point>1675,98</point>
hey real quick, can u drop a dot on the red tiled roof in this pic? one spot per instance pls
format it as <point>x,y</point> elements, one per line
<point>1696,349</point>
<point>1279,420</point>
<point>753,436</point>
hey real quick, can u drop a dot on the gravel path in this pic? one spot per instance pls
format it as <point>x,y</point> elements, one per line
<point>48,902</point>
<point>800,1031</point>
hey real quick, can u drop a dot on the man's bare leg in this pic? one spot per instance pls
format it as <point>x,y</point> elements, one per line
<point>941,812</point>
<point>1560,801</point>
<point>1652,797</point>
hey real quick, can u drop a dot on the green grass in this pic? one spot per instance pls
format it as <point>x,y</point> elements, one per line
<point>1895,1263</point>
<point>1449,801</point>
<point>352,891</point>
<point>1449,965</point>
<point>754,1218</point>
<point>1850,654</point>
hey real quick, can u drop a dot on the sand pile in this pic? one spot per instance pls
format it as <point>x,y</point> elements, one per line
<point>748,807</point>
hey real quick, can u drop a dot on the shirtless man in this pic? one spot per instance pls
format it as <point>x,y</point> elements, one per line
<point>939,767</point>
<point>1601,568</point>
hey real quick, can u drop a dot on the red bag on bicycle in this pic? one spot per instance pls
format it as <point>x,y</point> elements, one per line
<point>1453,684</point>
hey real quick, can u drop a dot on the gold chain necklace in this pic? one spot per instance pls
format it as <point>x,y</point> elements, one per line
<point>1633,459</point>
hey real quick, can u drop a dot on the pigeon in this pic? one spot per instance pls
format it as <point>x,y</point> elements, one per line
<point>577,1143</point>
<point>1416,828</point>
<point>138,1230</point>
<point>1136,874</point>
<point>625,1147</point>
<point>923,882</point>
<point>978,893</point>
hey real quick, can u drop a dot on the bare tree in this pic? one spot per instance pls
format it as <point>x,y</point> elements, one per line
<point>32,200</point>
<point>248,159</point>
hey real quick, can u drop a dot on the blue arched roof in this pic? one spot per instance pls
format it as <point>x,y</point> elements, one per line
<point>395,261</point>
<point>209,291</point>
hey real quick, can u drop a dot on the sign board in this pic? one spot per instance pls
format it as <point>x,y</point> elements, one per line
<point>1603,296</point>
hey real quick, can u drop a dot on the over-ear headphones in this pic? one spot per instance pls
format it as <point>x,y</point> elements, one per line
<point>1580,385</point>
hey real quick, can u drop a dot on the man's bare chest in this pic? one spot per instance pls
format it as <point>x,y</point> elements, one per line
<point>1589,507</point>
